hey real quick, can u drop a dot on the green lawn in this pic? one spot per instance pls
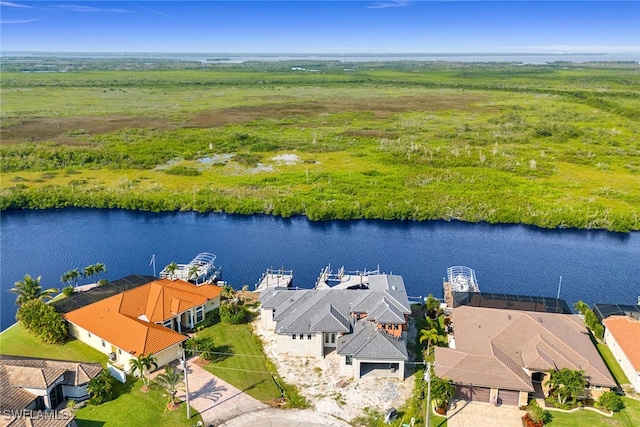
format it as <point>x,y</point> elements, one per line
<point>16,341</point>
<point>628,417</point>
<point>241,361</point>
<point>612,364</point>
<point>135,408</point>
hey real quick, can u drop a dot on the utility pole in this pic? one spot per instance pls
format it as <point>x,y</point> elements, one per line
<point>428,405</point>
<point>183,362</point>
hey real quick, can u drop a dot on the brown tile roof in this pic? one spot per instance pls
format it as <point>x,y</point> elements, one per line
<point>121,319</point>
<point>626,332</point>
<point>12,397</point>
<point>519,339</point>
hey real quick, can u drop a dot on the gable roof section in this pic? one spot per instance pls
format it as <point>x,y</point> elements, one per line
<point>369,343</point>
<point>532,340</point>
<point>626,331</point>
<point>384,312</point>
<point>478,369</point>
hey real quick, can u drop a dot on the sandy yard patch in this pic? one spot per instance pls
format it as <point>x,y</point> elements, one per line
<point>287,159</point>
<point>317,379</point>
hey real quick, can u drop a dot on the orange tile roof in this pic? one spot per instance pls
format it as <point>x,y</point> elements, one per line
<point>626,332</point>
<point>118,319</point>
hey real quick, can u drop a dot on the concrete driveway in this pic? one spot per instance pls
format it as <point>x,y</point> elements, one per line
<point>462,413</point>
<point>215,399</point>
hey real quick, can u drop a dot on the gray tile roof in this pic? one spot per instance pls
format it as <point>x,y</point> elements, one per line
<point>384,312</point>
<point>368,343</point>
<point>330,320</point>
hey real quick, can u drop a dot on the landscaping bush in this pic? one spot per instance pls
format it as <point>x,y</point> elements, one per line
<point>43,321</point>
<point>610,401</point>
<point>68,290</point>
<point>232,314</point>
<point>102,388</point>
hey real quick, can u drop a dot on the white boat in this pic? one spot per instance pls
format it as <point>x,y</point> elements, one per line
<point>201,269</point>
<point>344,279</point>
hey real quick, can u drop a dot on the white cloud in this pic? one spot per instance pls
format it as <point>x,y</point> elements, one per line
<point>17,21</point>
<point>10,4</point>
<point>154,11</point>
<point>88,9</point>
<point>386,4</point>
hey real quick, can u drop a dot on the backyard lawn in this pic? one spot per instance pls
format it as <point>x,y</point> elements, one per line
<point>240,360</point>
<point>135,408</point>
<point>628,417</point>
<point>16,341</point>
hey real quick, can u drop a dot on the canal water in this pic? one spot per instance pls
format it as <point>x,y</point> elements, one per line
<point>596,266</point>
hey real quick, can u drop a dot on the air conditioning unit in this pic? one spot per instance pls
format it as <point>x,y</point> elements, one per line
<point>112,356</point>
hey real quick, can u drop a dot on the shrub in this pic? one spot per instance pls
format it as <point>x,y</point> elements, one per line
<point>43,321</point>
<point>68,290</point>
<point>102,388</point>
<point>610,401</point>
<point>183,171</point>
<point>232,314</point>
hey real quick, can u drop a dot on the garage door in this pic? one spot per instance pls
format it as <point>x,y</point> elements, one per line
<point>480,394</point>
<point>508,397</point>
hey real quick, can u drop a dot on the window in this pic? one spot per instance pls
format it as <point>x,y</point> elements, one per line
<point>301,336</point>
<point>168,324</point>
<point>349,360</point>
<point>293,336</point>
<point>395,327</point>
<point>89,334</point>
<point>309,336</point>
<point>119,351</point>
<point>199,314</point>
<point>103,344</point>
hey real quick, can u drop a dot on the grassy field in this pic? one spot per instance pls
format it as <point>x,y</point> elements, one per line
<point>135,408</point>
<point>628,417</point>
<point>16,341</point>
<point>240,361</point>
<point>552,146</point>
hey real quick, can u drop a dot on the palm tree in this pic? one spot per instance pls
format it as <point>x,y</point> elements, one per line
<point>29,289</point>
<point>99,268</point>
<point>102,387</point>
<point>89,271</point>
<point>430,336</point>
<point>171,381</point>
<point>442,390</point>
<point>143,364</point>
<point>74,275</point>
<point>65,279</point>
<point>566,384</point>
<point>581,307</point>
<point>432,304</point>
<point>171,270</point>
<point>202,345</point>
<point>193,272</point>
<point>227,292</point>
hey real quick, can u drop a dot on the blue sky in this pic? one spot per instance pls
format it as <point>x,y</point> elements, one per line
<point>382,26</point>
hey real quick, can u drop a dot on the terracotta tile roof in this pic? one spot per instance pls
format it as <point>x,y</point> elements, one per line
<point>520,339</point>
<point>121,319</point>
<point>626,332</point>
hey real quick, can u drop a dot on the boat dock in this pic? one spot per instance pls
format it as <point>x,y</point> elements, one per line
<point>344,279</point>
<point>274,278</point>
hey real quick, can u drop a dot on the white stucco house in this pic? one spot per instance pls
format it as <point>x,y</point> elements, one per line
<point>367,327</point>
<point>622,335</point>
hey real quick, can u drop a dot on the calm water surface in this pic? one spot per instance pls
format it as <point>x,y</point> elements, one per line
<point>595,266</point>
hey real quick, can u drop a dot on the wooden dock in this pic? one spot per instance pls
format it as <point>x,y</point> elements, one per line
<point>271,278</point>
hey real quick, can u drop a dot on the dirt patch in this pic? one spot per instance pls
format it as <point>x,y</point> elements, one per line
<point>331,394</point>
<point>70,130</point>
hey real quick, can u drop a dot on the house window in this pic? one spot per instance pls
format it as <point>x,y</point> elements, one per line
<point>301,336</point>
<point>168,324</point>
<point>309,336</point>
<point>199,314</point>
<point>395,327</point>
<point>89,334</point>
<point>293,336</point>
<point>103,344</point>
<point>119,351</point>
<point>348,360</point>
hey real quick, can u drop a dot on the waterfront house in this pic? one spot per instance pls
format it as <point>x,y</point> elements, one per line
<point>622,335</point>
<point>28,387</point>
<point>366,327</point>
<point>505,356</point>
<point>150,318</point>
